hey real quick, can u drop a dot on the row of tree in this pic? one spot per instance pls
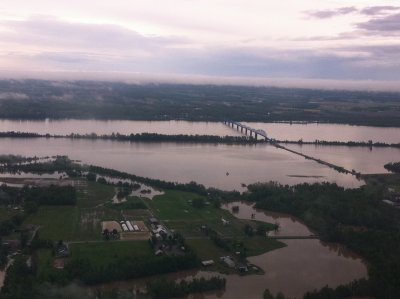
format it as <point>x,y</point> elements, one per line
<point>125,268</point>
<point>393,167</point>
<point>170,289</point>
<point>144,137</point>
<point>341,143</point>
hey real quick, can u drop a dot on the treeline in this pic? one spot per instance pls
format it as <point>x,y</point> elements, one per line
<point>51,195</point>
<point>356,288</point>
<point>356,218</point>
<point>393,167</point>
<point>143,137</point>
<point>170,289</point>
<point>57,164</point>
<point>13,159</point>
<point>189,187</point>
<point>122,101</point>
<point>125,268</point>
<point>340,143</point>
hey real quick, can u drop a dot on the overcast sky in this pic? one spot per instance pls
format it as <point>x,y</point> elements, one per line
<point>285,39</point>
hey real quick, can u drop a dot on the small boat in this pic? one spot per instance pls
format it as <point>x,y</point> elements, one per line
<point>227,173</point>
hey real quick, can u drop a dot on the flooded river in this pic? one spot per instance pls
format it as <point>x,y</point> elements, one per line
<point>301,266</point>
<point>217,165</point>
<point>281,131</point>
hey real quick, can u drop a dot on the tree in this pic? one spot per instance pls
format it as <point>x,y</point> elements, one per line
<point>267,294</point>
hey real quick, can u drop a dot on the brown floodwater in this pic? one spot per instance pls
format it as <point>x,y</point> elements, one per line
<point>301,266</point>
<point>68,126</point>
<point>362,159</point>
<point>207,164</point>
<point>281,131</point>
<point>328,132</point>
<point>288,225</point>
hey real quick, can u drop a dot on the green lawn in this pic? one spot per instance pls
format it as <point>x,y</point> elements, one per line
<point>95,194</point>
<point>7,213</point>
<point>175,205</point>
<point>80,222</point>
<point>56,222</point>
<point>105,253</point>
<point>45,266</point>
<point>174,208</point>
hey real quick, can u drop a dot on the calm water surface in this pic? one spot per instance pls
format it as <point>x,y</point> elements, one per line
<point>207,164</point>
<point>362,159</point>
<point>281,131</point>
<point>68,126</point>
<point>329,132</point>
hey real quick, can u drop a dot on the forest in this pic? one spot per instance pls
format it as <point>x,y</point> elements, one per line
<point>39,99</point>
<point>355,217</point>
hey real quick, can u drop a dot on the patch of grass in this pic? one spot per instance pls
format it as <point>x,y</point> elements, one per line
<point>257,245</point>
<point>56,222</point>
<point>45,266</point>
<point>131,203</point>
<point>7,213</point>
<point>95,194</point>
<point>206,249</point>
<point>176,205</point>
<point>142,215</point>
<point>104,253</point>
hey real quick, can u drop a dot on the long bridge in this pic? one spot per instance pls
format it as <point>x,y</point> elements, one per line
<point>246,129</point>
<point>258,132</point>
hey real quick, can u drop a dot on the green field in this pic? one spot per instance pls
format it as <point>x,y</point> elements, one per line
<point>80,226</point>
<point>80,222</point>
<point>7,213</point>
<point>175,209</point>
<point>105,253</point>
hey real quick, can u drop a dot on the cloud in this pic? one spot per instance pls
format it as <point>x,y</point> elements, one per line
<point>377,10</point>
<point>370,10</point>
<point>344,63</point>
<point>329,13</point>
<point>49,44</point>
<point>54,33</point>
<point>389,23</point>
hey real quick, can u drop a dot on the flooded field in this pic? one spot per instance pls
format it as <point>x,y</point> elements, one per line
<point>301,266</point>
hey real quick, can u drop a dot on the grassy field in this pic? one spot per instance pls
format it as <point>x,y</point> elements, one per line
<point>7,213</point>
<point>105,253</point>
<point>56,222</point>
<point>80,222</point>
<point>94,195</point>
<point>175,209</point>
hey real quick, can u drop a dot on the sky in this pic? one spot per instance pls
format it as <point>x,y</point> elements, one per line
<point>281,41</point>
